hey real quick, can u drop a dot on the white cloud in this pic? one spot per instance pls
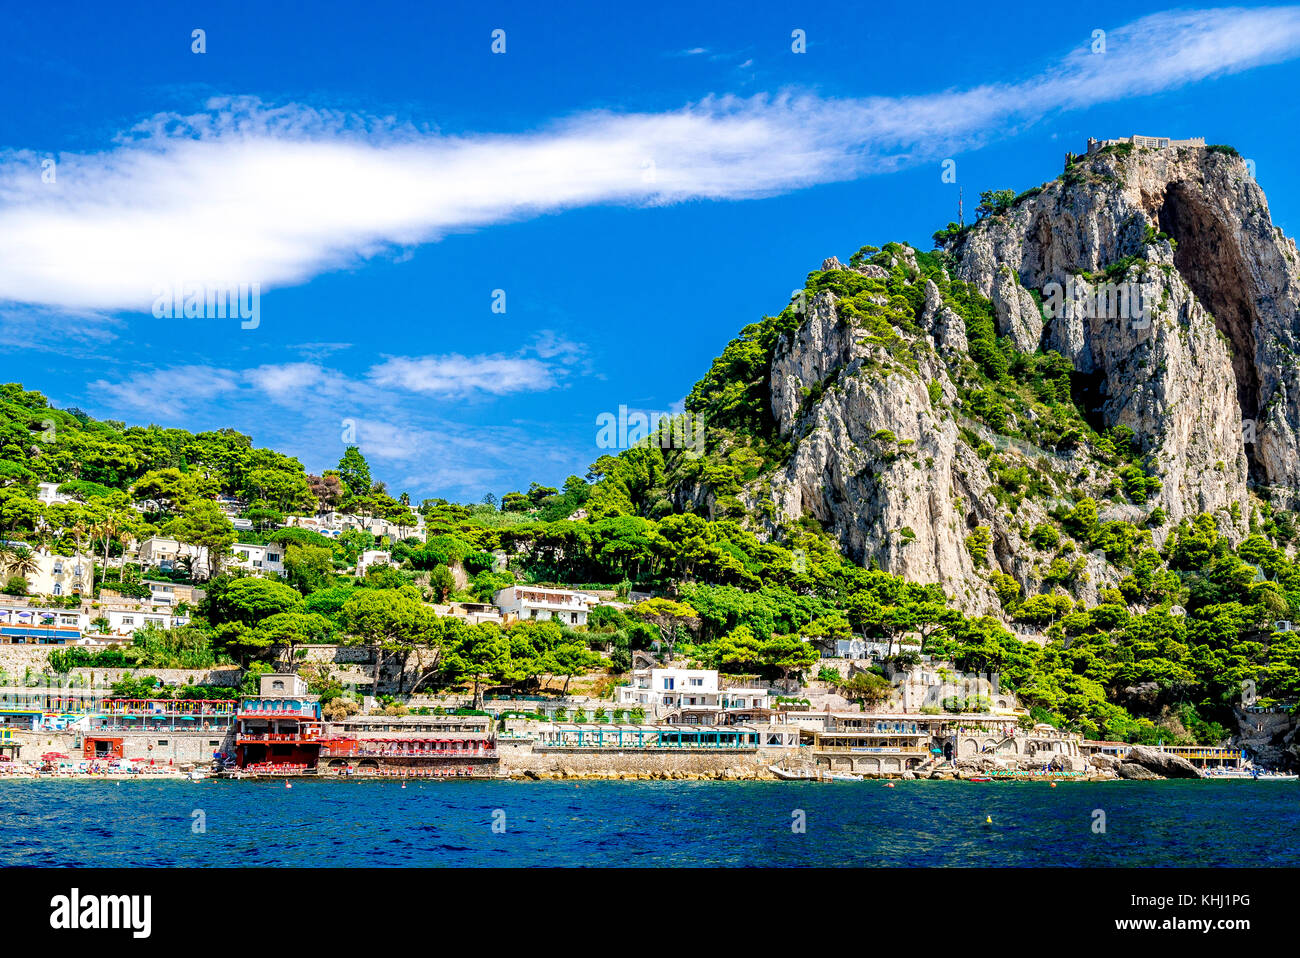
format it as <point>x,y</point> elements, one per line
<point>247,193</point>
<point>168,392</point>
<point>302,409</point>
<point>174,390</point>
<point>454,374</point>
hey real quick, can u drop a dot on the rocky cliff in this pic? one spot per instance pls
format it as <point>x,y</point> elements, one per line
<point>1157,273</point>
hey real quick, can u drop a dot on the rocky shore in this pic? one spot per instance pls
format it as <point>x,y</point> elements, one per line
<point>1141,764</point>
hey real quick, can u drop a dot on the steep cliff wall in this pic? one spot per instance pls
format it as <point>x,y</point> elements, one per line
<point>1157,273</point>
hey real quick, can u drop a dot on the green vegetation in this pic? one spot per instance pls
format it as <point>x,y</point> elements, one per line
<point>1191,620</point>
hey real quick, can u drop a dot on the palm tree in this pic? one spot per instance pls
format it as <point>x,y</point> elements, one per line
<point>23,562</point>
<point>110,529</point>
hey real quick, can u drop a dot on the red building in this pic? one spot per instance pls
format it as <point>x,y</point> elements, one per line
<point>279,730</point>
<point>410,745</point>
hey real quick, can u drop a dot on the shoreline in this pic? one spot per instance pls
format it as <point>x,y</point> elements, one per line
<point>573,776</point>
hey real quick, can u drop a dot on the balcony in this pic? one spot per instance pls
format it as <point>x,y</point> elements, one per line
<point>869,750</point>
<point>307,735</point>
<point>328,752</point>
<point>308,715</point>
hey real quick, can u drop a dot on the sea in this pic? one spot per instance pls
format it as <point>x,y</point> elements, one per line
<point>655,824</point>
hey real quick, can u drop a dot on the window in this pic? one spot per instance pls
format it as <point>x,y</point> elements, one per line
<point>273,557</point>
<point>128,620</point>
<point>58,568</point>
<point>213,741</point>
<point>277,684</point>
<point>668,685</point>
<point>162,741</point>
<point>58,586</point>
<point>697,681</point>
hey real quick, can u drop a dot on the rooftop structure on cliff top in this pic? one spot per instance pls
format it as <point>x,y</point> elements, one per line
<point>1145,142</point>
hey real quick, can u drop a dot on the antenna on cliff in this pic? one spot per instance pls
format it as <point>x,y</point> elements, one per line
<point>961,216</point>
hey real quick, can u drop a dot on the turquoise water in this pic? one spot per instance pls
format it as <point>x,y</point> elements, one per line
<point>648,823</point>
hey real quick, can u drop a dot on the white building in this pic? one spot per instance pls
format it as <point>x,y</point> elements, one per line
<point>171,593</point>
<point>931,685</point>
<point>111,621</point>
<point>21,624</point>
<point>55,574</point>
<point>124,622</point>
<point>687,692</point>
<point>535,602</point>
<point>165,553</point>
<point>48,493</point>
<point>1146,142</point>
<point>373,557</point>
<point>333,524</point>
<point>256,558</point>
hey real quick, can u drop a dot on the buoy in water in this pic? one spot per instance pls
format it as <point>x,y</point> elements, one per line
<point>889,785</point>
<point>1053,785</point>
<point>288,784</point>
<point>988,820</point>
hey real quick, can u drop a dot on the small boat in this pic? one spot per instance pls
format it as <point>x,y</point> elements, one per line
<point>197,775</point>
<point>842,777</point>
<point>979,778</point>
<point>793,775</point>
<point>1253,775</point>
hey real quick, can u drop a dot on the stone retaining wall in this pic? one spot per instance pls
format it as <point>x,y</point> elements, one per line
<point>17,660</point>
<point>168,747</point>
<point>521,758</point>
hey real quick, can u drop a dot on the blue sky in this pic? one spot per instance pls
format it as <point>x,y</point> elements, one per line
<point>641,181</point>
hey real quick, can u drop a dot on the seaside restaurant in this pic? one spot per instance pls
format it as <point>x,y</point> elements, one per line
<point>164,715</point>
<point>280,729</point>
<point>28,626</point>
<point>576,735</point>
<point>49,708</point>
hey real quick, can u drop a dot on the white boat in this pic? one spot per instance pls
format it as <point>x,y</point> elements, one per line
<point>197,775</point>
<point>793,775</point>
<point>842,777</point>
<point>1254,776</point>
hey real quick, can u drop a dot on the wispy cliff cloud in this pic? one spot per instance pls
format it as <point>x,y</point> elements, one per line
<point>245,193</point>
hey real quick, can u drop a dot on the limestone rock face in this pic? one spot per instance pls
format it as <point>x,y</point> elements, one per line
<point>1222,298</point>
<point>1269,737</point>
<point>1160,764</point>
<point>874,462</point>
<point>1158,273</point>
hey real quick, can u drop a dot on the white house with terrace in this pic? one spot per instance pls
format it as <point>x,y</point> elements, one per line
<point>258,558</point>
<point>693,696</point>
<point>534,602</point>
<point>91,623</point>
<point>373,557</point>
<point>165,554</point>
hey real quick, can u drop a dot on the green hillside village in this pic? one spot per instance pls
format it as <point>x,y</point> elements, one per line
<point>180,603</point>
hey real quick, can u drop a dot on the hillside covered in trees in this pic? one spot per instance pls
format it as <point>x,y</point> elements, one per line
<point>906,450</point>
